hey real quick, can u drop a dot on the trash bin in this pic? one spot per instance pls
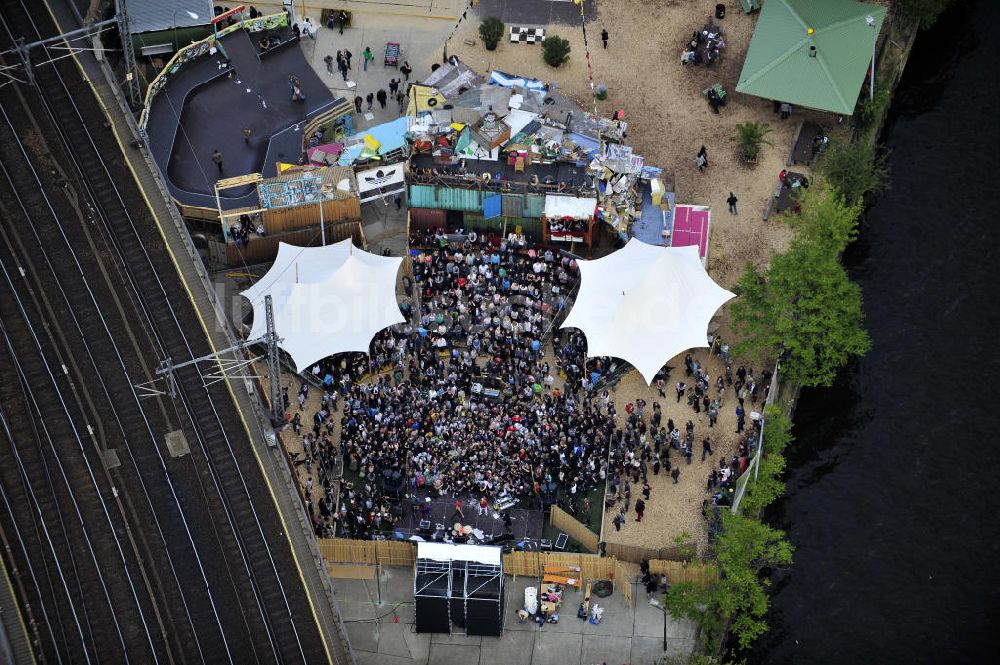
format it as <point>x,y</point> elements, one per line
<point>720,10</point>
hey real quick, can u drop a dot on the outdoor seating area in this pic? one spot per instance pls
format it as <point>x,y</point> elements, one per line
<point>705,46</point>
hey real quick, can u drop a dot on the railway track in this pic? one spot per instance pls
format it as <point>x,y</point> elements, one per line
<point>172,559</point>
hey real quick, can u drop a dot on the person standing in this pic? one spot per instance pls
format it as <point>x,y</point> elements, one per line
<point>368,56</point>
<point>739,418</point>
<point>381,97</point>
<point>706,447</point>
<point>343,68</point>
<point>347,56</point>
<point>357,103</point>
<point>732,203</point>
<point>618,521</point>
<point>406,70</point>
<point>640,508</point>
<point>342,20</point>
<point>217,158</point>
<point>680,390</point>
<point>400,97</point>
<point>329,63</point>
<point>307,28</point>
<point>458,511</point>
<point>370,98</point>
<point>604,38</point>
<point>484,506</point>
<point>393,87</point>
<point>675,474</point>
<point>701,159</point>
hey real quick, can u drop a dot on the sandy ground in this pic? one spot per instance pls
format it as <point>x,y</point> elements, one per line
<point>668,116</point>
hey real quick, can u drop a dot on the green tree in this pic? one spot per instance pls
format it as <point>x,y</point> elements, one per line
<point>491,31</point>
<point>555,50</point>
<point>743,549</point>
<point>749,136</point>
<point>806,306</point>
<point>855,169</point>
<point>926,11</point>
<point>766,485</point>
<point>826,218</point>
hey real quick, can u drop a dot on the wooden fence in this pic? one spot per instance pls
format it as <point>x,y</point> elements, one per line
<point>622,574</point>
<point>358,558</point>
<point>563,521</point>
<point>637,554</point>
<point>532,564</point>
<point>681,572</point>
<point>368,552</point>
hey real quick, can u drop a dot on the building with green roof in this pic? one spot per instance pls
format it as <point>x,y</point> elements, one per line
<point>812,53</point>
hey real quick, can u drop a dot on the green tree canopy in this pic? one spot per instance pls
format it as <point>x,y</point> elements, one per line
<point>806,306</point>
<point>926,11</point>
<point>854,169</point>
<point>743,549</point>
<point>767,485</point>
<point>826,218</point>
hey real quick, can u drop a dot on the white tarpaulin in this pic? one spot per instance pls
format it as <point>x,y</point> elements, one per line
<point>645,304</point>
<point>485,554</point>
<point>560,207</point>
<point>326,300</point>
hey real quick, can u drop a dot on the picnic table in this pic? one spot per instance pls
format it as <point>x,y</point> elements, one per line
<point>706,45</point>
<point>805,144</point>
<point>788,189</point>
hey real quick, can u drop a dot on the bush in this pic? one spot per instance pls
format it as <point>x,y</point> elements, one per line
<point>601,92</point>
<point>555,50</point>
<point>854,169</point>
<point>749,136</point>
<point>491,31</point>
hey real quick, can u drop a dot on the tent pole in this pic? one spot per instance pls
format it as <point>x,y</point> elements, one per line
<point>322,224</point>
<point>273,365</point>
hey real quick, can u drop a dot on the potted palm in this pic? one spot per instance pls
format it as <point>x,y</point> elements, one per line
<point>749,137</point>
<point>490,31</point>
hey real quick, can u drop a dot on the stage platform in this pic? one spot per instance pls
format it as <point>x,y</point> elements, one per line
<point>205,106</point>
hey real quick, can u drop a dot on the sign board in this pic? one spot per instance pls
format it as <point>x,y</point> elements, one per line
<point>381,181</point>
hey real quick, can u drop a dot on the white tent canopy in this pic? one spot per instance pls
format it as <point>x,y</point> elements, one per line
<point>326,300</point>
<point>645,304</point>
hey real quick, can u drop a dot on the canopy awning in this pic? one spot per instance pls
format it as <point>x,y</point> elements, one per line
<point>326,300</point>
<point>645,304</point>
<point>812,53</point>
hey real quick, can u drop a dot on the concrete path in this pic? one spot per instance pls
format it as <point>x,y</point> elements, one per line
<point>627,635</point>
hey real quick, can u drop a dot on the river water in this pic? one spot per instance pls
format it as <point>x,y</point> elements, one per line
<point>892,499</point>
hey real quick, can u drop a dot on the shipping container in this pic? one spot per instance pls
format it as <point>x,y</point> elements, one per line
<point>427,218</point>
<point>534,205</point>
<point>446,198</point>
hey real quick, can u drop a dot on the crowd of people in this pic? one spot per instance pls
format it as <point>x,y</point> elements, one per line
<point>424,416</point>
<point>645,443</point>
<point>416,417</point>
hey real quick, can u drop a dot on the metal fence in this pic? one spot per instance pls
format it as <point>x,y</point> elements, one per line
<point>758,451</point>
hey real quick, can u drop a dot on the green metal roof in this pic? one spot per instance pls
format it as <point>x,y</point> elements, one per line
<point>778,63</point>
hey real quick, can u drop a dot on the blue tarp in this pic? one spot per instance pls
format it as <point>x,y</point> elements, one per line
<point>491,206</point>
<point>648,228</point>
<point>509,81</point>
<point>392,135</point>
